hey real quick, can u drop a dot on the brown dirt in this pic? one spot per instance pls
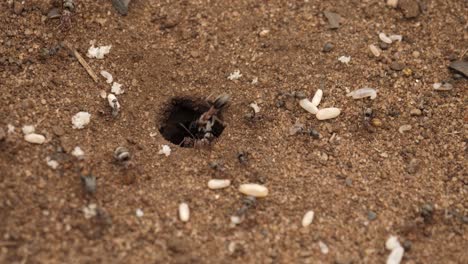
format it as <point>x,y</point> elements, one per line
<point>164,49</point>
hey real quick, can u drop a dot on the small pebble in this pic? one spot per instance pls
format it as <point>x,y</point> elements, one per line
<point>384,46</point>
<point>327,47</point>
<point>11,129</point>
<point>392,3</point>
<point>371,215</point>
<point>407,245</point>
<point>139,213</point>
<point>255,107</point>
<point>396,66</point>
<point>264,33</point>
<point>404,128</point>
<point>52,163</point>
<point>308,218</point>
<point>90,211</point>
<point>117,88</point>
<point>415,112</point>
<point>165,150</point>
<point>252,189</point>
<point>78,153</point>
<point>80,120</point>
<point>376,122</point>
<point>34,138</point>
<point>28,129</point>
<point>215,184</point>
<point>328,113</point>
<point>333,19</point>
<point>184,212</point>
<point>416,54</point>
<point>407,72</point>
<point>345,59</point>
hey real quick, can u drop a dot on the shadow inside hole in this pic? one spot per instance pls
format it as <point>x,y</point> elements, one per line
<point>178,117</point>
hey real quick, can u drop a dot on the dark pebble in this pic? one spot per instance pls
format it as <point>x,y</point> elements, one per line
<point>460,66</point>
<point>407,245</point>
<point>371,215</point>
<point>396,66</point>
<point>327,47</point>
<point>427,210</point>
<point>383,45</point>
<point>410,8</point>
<point>18,7</point>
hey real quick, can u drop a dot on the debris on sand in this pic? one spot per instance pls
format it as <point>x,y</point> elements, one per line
<point>139,213</point>
<point>383,37</point>
<point>345,59</point>
<point>108,76</point>
<point>252,189</point>
<point>308,218</point>
<point>34,138</point>
<point>442,86</point>
<point>117,88</point>
<point>235,75</point>
<point>255,107</point>
<point>114,104</point>
<point>78,153</point>
<point>89,183</point>
<point>216,184</point>
<point>98,52</point>
<point>28,129</point>
<point>397,250</point>
<point>363,93</point>
<point>404,128</point>
<point>81,119</point>
<point>165,150</point>
<point>90,211</point>
<point>52,163</point>
<point>327,47</point>
<point>333,19</point>
<point>460,66</point>
<point>184,212</point>
<point>11,129</point>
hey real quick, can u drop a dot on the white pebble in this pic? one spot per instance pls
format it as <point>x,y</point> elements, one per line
<point>264,32</point>
<point>98,52</point>
<point>80,120</point>
<point>328,113</point>
<point>255,107</point>
<point>253,189</point>
<point>28,129</point>
<point>392,243</point>
<point>363,93</point>
<point>376,51</point>
<point>117,88</point>
<point>323,247</point>
<point>52,163</point>
<point>308,218</point>
<point>254,80</point>
<point>392,3</point>
<point>90,211</point>
<point>218,183</point>
<point>34,138</point>
<point>235,219</point>
<point>139,212</point>
<point>108,76</point>
<point>384,38</point>
<point>308,106</point>
<point>78,152</point>
<point>11,128</point>
<point>184,212</point>
<point>113,102</point>
<point>404,128</point>
<point>395,256</point>
<point>317,97</point>
<point>103,94</point>
<point>345,59</point>
<point>398,38</point>
<point>165,150</point>
<point>235,75</point>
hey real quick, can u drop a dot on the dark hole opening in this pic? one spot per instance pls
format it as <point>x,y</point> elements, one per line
<point>178,124</point>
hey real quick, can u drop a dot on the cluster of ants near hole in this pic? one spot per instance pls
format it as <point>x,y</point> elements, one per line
<point>194,124</point>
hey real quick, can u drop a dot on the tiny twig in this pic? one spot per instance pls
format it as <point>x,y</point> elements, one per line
<point>82,62</point>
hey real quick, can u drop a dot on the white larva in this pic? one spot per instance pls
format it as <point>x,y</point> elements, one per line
<point>395,256</point>
<point>404,128</point>
<point>253,189</point>
<point>184,212</point>
<point>392,243</point>
<point>108,76</point>
<point>308,218</point>
<point>398,38</point>
<point>34,138</point>
<point>328,113</point>
<point>317,97</point>
<point>215,184</point>
<point>363,93</point>
<point>384,38</point>
<point>308,106</point>
<point>376,51</point>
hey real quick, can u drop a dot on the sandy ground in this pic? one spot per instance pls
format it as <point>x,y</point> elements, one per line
<point>364,179</point>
